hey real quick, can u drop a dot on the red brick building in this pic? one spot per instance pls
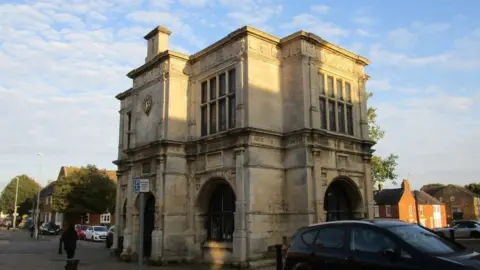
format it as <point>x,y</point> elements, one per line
<point>401,203</point>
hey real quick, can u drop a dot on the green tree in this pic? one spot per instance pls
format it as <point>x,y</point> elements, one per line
<point>88,190</point>
<point>474,187</point>
<point>383,168</point>
<point>432,188</point>
<point>27,189</point>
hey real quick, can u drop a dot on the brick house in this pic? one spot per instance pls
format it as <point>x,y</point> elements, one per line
<point>399,203</point>
<point>461,203</point>
<point>46,201</point>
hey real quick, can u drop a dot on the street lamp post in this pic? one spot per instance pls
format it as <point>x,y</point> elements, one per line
<point>15,209</point>
<point>37,216</point>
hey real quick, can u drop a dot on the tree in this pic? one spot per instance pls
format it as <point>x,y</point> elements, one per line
<point>27,189</point>
<point>432,188</point>
<point>473,187</point>
<point>88,190</point>
<point>383,168</point>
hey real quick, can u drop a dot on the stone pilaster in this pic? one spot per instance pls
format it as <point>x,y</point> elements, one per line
<point>158,232</point>
<point>319,188</point>
<point>363,107</point>
<point>118,208</point>
<point>241,94</point>
<point>240,232</point>
<point>314,101</point>
<point>128,231</point>
<point>190,232</point>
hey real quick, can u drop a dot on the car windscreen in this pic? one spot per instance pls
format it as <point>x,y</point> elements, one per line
<point>424,240</point>
<point>83,228</point>
<point>100,229</point>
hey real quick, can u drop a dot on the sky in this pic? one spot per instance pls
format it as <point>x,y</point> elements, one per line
<point>63,61</point>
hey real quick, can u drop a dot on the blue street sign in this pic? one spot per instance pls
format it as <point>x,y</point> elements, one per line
<point>136,185</point>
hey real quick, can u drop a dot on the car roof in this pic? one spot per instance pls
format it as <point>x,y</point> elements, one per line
<point>382,223</point>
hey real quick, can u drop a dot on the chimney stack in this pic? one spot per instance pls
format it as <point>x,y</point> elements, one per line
<point>406,185</point>
<point>157,42</point>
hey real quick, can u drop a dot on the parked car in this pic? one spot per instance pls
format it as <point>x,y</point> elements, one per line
<point>462,229</point>
<point>81,231</point>
<point>110,235</point>
<point>376,244</point>
<point>96,233</point>
<point>49,229</point>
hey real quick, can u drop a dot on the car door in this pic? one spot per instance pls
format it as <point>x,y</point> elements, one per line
<point>89,232</point>
<point>330,248</point>
<point>461,230</point>
<point>371,248</point>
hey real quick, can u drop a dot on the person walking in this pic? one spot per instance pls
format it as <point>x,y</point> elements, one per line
<point>69,240</point>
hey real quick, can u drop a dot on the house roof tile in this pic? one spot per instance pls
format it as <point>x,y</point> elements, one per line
<point>388,196</point>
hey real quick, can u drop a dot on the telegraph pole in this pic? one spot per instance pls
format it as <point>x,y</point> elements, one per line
<point>15,209</point>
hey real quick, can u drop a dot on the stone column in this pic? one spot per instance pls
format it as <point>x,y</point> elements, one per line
<point>190,233</point>
<point>127,233</point>
<point>241,95</point>
<point>240,231</point>
<point>319,195</point>
<point>368,186</point>
<point>118,206</point>
<point>310,187</point>
<point>314,95</point>
<point>363,108</point>
<point>157,233</point>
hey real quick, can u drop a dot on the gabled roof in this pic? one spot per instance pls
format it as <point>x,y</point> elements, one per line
<point>48,190</point>
<point>388,196</point>
<point>465,190</point>
<point>424,198</point>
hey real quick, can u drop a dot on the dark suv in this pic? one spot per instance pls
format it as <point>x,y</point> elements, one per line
<point>376,244</point>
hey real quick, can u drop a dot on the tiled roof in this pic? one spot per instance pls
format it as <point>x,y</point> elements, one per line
<point>466,190</point>
<point>48,190</point>
<point>424,198</point>
<point>388,196</point>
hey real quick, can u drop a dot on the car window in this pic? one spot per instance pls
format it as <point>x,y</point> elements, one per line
<point>100,229</point>
<point>331,237</point>
<point>309,236</point>
<point>368,240</point>
<point>424,240</point>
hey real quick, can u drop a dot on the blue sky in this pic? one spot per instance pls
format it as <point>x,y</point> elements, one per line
<point>62,62</point>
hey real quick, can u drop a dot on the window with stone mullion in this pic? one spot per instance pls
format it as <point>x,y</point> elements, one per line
<point>218,108</point>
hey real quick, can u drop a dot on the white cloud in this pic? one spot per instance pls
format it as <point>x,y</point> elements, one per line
<point>254,13</point>
<point>380,56</point>
<point>320,9</point>
<point>402,38</point>
<point>430,27</point>
<point>311,23</point>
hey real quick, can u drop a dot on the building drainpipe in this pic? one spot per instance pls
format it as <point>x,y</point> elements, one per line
<point>416,207</point>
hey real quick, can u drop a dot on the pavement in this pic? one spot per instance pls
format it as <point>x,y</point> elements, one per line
<point>20,252</point>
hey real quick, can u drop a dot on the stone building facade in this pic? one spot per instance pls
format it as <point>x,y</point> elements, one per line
<point>243,143</point>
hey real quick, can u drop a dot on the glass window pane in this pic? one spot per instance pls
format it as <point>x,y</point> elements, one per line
<point>341,117</point>
<point>331,238</point>
<point>204,117</point>
<point>231,81</point>
<point>348,92</point>
<point>213,88</point>
<point>213,118</point>
<point>322,83</point>
<point>366,240</point>
<point>232,109</point>
<point>222,85</point>
<point>332,116</point>
<point>309,236</point>
<point>323,113</point>
<point>204,92</point>
<point>350,120</point>
<point>222,113</point>
<point>340,89</point>
<point>330,86</point>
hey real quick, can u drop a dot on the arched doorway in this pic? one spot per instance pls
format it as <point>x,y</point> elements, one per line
<point>149,224</point>
<point>343,201</point>
<point>220,213</point>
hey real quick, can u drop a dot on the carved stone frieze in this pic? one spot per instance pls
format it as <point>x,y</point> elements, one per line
<point>265,141</point>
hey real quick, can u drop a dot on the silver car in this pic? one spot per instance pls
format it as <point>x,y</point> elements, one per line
<point>463,229</point>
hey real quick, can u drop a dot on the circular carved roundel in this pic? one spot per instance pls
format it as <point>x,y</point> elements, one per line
<point>147,104</point>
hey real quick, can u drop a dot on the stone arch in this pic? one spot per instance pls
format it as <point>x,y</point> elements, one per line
<point>215,205</point>
<point>343,200</point>
<point>149,220</point>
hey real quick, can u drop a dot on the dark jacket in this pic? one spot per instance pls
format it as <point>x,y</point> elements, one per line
<point>69,238</point>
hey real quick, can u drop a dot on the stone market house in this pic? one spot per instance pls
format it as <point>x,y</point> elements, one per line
<point>243,143</point>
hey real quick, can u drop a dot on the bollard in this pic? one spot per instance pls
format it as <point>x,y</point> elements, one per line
<point>278,254</point>
<point>452,234</point>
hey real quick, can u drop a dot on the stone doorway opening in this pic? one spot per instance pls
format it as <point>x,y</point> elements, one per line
<point>149,223</point>
<point>343,201</point>
<point>220,214</point>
